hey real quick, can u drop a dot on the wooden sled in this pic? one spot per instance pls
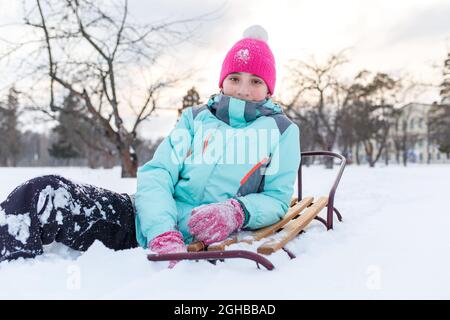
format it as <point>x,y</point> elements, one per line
<point>274,237</point>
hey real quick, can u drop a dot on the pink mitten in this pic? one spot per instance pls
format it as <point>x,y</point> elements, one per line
<point>168,242</point>
<point>214,222</point>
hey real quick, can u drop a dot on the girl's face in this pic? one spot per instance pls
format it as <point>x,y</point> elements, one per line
<point>245,86</point>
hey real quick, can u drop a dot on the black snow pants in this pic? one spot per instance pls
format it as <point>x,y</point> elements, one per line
<point>51,208</point>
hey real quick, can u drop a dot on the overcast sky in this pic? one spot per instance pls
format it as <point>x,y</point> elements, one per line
<point>391,36</point>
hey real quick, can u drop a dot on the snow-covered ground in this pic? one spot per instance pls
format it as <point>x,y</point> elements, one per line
<point>394,243</point>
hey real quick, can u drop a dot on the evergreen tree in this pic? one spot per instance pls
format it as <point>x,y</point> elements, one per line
<point>78,135</point>
<point>192,98</point>
<point>445,85</point>
<point>67,146</point>
<point>9,132</point>
<point>371,112</point>
<point>439,126</point>
<point>439,114</point>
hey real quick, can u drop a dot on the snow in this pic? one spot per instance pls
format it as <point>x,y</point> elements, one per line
<point>61,199</point>
<point>393,244</point>
<point>18,225</point>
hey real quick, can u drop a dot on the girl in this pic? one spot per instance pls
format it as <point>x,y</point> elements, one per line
<point>227,165</point>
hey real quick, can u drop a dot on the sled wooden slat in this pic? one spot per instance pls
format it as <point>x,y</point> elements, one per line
<point>196,246</point>
<point>222,245</point>
<point>293,228</point>
<point>290,214</point>
<point>293,201</point>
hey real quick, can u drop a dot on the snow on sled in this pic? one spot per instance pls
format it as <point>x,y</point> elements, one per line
<point>274,237</point>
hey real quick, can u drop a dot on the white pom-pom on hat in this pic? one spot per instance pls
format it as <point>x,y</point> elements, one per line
<point>256,32</point>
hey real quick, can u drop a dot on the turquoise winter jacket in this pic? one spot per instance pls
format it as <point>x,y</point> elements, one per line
<point>227,148</point>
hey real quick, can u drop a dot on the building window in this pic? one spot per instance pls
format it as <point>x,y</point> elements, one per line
<point>411,124</point>
<point>438,156</point>
<point>420,157</point>
<point>430,156</point>
<point>420,122</point>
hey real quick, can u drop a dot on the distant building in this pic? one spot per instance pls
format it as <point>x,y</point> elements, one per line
<point>409,136</point>
<point>415,118</point>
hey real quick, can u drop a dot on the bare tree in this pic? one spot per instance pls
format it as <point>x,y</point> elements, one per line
<point>95,52</point>
<point>347,138</point>
<point>404,139</point>
<point>319,94</point>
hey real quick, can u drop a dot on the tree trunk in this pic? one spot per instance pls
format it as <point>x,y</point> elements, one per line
<point>329,161</point>
<point>369,152</point>
<point>386,156</point>
<point>357,154</point>
<point>129,163</point>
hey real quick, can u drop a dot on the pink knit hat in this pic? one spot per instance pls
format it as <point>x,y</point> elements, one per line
<point>251,54</point>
